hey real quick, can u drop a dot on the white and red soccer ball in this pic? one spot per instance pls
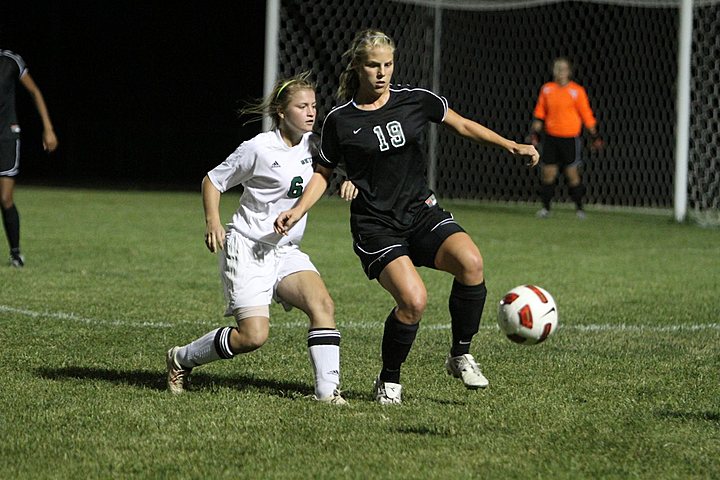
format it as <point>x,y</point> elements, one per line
<point>527,315</point>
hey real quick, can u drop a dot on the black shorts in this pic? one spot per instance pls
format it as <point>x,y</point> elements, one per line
<point>563,152</point>
<point>9,157</point>
<point>421,243</point>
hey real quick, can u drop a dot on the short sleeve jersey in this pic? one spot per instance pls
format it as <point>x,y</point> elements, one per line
<point>564,109</point>
<point>383,156</point>
<point>12,68</point>
<point>273,176</point>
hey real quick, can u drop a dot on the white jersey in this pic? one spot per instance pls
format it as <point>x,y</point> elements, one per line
<point>274,176</point>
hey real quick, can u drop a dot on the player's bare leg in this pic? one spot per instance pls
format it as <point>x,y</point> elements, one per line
<point>577,189</point>
<point>548,175</point>
<point>306,290</point>
<point>460,256</point>
<point>220,344</point>
<point>11,220</point>
<point>251,333</point>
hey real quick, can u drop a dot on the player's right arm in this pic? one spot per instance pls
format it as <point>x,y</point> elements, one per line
<point>236,169</point>
<point>214,231</point>
<point>538,123</point>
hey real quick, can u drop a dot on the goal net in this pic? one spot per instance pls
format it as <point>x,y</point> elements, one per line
<point>489,59</point>
<point>704,159</point>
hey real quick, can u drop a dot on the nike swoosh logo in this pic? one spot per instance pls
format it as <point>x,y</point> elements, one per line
<point>548,312</point>
<point>356,131</point>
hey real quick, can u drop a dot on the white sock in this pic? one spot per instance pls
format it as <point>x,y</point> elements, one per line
<point>324,352</point>
<point>214,345</point>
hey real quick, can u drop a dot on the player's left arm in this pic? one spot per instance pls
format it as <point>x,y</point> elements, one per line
<point>478,133</point>
<point>50,141</point>
<point>589,121</point>
<point>311,194</point>
<point>348,190</point>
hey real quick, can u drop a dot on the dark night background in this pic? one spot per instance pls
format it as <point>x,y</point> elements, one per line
<point>141,94</point>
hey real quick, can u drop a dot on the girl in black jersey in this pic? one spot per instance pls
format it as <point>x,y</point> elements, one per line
<point>396,221</point>
<point>13,71</point>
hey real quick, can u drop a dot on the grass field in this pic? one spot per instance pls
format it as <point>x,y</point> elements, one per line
<point>627,388</point>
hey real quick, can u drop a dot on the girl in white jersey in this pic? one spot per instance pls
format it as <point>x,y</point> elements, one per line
<point>258,265</point>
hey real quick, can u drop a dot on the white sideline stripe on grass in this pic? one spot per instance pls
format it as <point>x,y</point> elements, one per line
<point>607,327</point>
<point>89,321</point>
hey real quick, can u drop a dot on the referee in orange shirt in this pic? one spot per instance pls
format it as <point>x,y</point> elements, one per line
<point>561,111</point>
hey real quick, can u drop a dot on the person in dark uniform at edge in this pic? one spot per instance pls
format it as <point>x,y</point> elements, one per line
<point>13,70</point>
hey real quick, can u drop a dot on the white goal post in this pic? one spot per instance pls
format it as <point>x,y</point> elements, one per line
<point>651,69</point>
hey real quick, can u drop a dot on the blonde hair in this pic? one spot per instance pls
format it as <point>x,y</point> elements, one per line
<point>363,42</point>
<point>278,99</point>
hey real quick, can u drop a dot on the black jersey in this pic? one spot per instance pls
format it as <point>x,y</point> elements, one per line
<point>383,156</point>
<point>12,67</point>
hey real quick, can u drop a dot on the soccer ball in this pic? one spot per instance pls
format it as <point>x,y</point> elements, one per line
<point>527,314</point>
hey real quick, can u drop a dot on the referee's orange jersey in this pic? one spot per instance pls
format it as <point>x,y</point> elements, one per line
<point>564,109</point>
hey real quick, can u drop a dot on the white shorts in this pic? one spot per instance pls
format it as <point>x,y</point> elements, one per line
<point>251,271</point>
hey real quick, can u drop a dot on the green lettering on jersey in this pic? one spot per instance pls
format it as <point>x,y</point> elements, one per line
<point>296,188</point>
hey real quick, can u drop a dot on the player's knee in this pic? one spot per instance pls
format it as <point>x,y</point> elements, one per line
<point>412,308</point>
<point>325,305</point>
<point>473,272</point>
<point>6,200</point>
<point>549,175</point>
<point>322,312</point>
<point>249,340</point>
<point>251,332</point>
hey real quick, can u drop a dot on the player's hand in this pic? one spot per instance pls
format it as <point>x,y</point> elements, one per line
<point>214,236</point>
<point>50,141</point>
<point>286,220</point>
<point>597,143</point>
<point>533,139</point>
<point>528,151</point>
<point>348,190</point>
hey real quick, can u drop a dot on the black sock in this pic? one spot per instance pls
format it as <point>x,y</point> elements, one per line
<point>466,307</point>
<point>11,222</point>
<point>547,192</point>
<point>577,193</point>
<point>222,343</point>
<point>397,340</point>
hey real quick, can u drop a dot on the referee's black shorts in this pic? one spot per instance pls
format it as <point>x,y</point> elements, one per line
<point>421,242</point>
<point>561,151</point>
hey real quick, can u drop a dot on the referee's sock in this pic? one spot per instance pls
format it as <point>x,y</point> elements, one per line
<point>214,345</point>
<point>466,306</point>
<point>11,222</point>
<point>397,341</point>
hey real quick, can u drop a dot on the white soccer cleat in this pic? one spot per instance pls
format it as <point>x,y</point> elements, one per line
<point>543,213</point>
<point>465,368</point>
<point>16,260</point>
<point>177,377</point>
<point>580,214</point>
<point>334,399</point>
<point>387,393</point>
